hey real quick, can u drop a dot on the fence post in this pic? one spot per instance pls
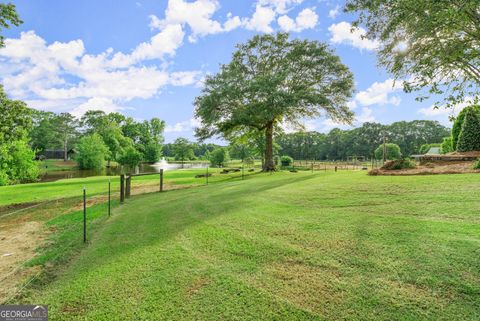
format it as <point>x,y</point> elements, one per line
<point>312,167</point>
<point>84,215</point>
<point>161,180</point>
<point>122,188</point>
<point>109,198</point>
<point>243,171</point>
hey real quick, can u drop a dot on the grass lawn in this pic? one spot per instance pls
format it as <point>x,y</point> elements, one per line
<point>38,192</point>
<point>291,246</point>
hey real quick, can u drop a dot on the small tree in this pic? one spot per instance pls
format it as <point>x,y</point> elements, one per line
<point>469,138</point>
<point>392,151</point>
<point>219,157</point>
<point>92,152</point>
<point>183,150</point>
<point>457,125</point>
<point>153,152</point>
<point>130,157</point>
<point>447,145</point>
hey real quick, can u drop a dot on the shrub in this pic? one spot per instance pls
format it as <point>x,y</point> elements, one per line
<point>286,160</point>
<point>447,145</point>
<point>17,164</point>
<point>92,152</point>
<point>219,157</point>
<point>457,125</point>
<point>392,152</point>
<point>404,163</point>
<point>469,138</point>
<point>249,161</point>
<point>476,165</point>
<point>130,157</point>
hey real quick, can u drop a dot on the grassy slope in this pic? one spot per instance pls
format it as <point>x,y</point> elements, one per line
<point>284,246</point>
<point>37,192</point>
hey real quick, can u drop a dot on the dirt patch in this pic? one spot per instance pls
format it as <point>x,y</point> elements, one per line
<point>17,245</point>
<point>431,168</point>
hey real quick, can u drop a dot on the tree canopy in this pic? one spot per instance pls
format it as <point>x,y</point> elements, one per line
<point>270,81</point>
<point>8,17</point>
<point>433,44</point>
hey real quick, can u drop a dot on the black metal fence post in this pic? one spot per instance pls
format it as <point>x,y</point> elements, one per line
<point>161,180</point>
<point>109,198</point>
<point>243,171</point>
<point>84,215</point>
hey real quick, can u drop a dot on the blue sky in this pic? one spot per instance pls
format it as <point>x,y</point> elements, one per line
<point>147,58</point>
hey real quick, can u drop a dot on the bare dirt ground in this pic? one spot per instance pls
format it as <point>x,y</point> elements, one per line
<point>432,168</point>
<point>17,245</point>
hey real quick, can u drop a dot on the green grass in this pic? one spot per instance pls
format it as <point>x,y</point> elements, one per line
<point>52,165</point>
<point>38,192</point>
<point>284,246</point>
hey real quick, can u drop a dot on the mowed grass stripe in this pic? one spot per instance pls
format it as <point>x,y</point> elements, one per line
<point>285,246</point>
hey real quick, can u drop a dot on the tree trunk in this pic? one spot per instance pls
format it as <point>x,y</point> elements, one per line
<point>65,151</point>
<point>269,165</point>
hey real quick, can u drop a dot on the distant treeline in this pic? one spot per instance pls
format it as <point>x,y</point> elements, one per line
<point>362,141</point>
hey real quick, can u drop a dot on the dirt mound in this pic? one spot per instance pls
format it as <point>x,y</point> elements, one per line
<point>431,168</point>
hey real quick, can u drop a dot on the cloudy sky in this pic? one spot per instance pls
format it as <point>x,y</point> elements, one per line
<point>147,58</point>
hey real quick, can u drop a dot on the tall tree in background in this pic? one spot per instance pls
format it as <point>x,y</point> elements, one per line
<point>273,80</point>
<point>8,18</point>
<point>183,150</point>
<point>434,44</point>
<point>66,128</point>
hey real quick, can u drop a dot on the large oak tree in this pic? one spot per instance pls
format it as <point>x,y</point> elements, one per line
<point>270,81</point>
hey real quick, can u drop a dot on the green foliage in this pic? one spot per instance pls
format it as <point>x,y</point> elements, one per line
<point>17,164</point>
<point>153,152</point>
<point>469,138</point>
<point>397,164</point>
<point>286,160</point>
<point>476,165</point>
<point>219,157</point>
<point>392,151</point>
<point>457,125</point>
<point>8,18</point>
<point>130,157</point>
<point>15,120</point>
<point>270,80</point>
<point>426,147</point>
<point>447,145</point>
<point>91,152</point>
<point>362,141</point>
<point>437,41</point>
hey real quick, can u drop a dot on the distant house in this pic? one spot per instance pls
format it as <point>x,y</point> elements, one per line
<point>55,154</point>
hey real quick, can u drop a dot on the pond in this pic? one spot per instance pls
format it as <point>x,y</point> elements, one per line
<point>50,176</point>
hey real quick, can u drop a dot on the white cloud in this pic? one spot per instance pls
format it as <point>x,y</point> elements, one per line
<point>333,13</point>
<point>443,113</point>
<point>261,20</point>
<point>379,93</point>
<point>184,126</point>
<point>342,33</point>
<point>306,19</point>
<point>365,116</point>
<point>232,23</point>
<point>48,75</point>
<point>104,104</point>
<point>279,6</point>
<point>197,15</point>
